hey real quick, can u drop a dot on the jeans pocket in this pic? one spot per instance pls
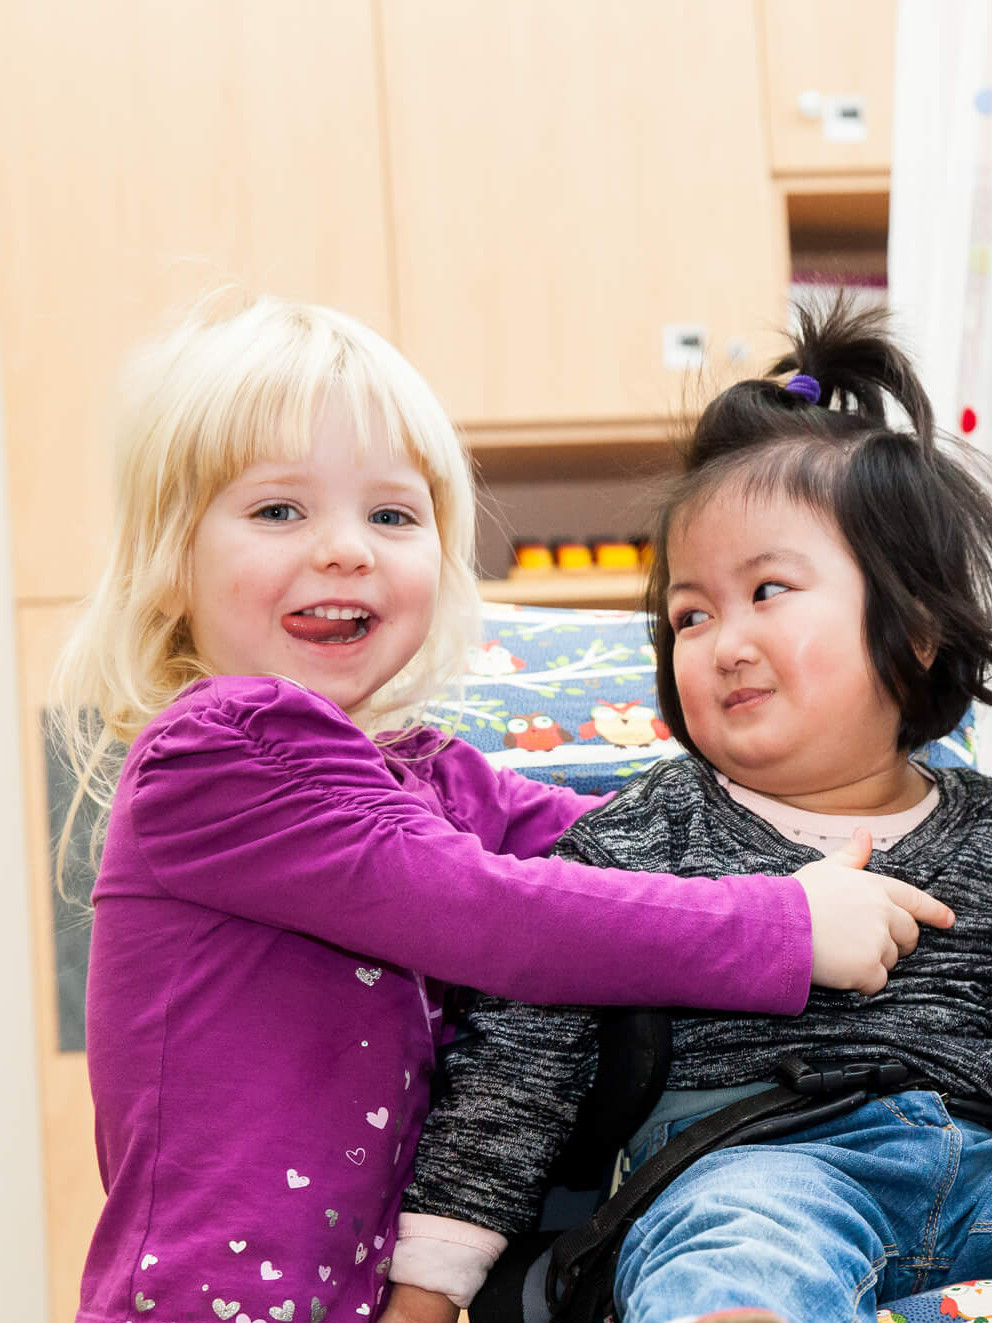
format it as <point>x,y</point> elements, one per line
<point>649,1140</point>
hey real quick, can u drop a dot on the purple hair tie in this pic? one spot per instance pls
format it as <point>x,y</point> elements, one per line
<point>807,387</point>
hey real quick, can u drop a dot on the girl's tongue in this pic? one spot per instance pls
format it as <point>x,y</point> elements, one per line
<point>315,629</point>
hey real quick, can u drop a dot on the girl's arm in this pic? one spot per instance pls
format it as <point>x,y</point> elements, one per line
<point>514,1089</point>
<point>259,799</point>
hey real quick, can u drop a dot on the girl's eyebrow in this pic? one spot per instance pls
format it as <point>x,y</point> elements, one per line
<point>294,477</point>
<point>683,586</point>
<point>275,480</point>
<point>773,556</point>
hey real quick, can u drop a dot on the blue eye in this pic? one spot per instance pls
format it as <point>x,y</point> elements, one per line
<point>277,512</point>
<point>389,518</point>
<point>765,591</point>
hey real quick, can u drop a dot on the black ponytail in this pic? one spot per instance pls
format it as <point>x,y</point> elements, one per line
<point>857,367</point>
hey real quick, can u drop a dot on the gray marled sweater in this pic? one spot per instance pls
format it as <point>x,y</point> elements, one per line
<point>486,1149</point>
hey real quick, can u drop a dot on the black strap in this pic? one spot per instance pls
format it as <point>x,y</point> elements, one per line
<point>972,1109</point>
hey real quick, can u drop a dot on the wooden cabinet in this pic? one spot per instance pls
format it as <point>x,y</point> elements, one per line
<point>829,77</point>
<point>723,82</point>
<point>568,178</point>
<point>149,152</point>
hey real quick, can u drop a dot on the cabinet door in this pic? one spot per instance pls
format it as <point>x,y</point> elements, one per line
<point>568,177</point>
<point>148,153</point>
<point>829,75</point>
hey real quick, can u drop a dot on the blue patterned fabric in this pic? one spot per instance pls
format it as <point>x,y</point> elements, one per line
<point>568,696</point>
<point>969,1301</point>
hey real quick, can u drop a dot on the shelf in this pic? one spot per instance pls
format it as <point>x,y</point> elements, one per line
<point>612,591</point>
<point>832,181</point>
<point>850,221</point>
<point>571,432</point>
<point>838,232</point>
<point>580,449</point>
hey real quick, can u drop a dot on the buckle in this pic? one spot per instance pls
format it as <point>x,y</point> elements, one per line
<point>814,1078</point>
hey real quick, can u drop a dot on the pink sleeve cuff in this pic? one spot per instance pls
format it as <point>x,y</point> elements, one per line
<point>444,1255</point>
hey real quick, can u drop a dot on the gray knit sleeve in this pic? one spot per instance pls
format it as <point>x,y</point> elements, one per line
<point>515,1086</point>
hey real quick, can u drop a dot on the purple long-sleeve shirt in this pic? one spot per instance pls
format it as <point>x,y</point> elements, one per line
<point>279,905</point>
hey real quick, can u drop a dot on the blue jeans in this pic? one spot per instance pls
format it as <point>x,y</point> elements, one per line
<point>822,1225</point>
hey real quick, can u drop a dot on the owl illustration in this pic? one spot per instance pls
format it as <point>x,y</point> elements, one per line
<point>535,731</point>
<point>492,658</point>
<point>968,1300</point>
<point>628,725</point>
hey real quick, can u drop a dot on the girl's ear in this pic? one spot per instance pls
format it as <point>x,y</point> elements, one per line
<point>925,653</point>
<point>172,603</point>
<point>927,644</point>
<point>174,599</point>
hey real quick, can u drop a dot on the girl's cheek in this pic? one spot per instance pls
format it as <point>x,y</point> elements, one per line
<point>684,681</point>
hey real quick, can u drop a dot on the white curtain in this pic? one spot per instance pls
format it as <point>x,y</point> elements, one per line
<point>940,221</point>
<point>940,218</point>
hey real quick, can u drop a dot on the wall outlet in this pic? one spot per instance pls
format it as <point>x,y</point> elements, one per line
<point>683,345</point>
<point>843,118</point>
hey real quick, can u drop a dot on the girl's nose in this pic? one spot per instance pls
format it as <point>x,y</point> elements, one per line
<point>344,545</point>
<point>734,647</point>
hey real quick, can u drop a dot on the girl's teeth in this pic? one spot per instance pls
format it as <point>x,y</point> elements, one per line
<point>336,612</point>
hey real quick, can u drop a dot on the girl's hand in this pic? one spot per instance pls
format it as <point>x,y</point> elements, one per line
<point>862,922</point>
<point>409,1304</point>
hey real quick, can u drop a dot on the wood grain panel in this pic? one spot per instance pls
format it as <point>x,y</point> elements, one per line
<point>147,153</point>
<point>569,176</point>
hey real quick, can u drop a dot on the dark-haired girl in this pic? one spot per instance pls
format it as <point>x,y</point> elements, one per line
<point>821,599</point>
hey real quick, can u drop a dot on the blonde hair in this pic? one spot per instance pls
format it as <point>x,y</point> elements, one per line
<point>229,387</point>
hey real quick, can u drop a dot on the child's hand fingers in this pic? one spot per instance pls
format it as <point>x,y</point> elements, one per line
<point>856,852</point>
<point>862,923</point>
<point>923,908</point>
<point>903,929</point>
<point>891,952</point>
<point>410,1304</point>
<point>875,979</point>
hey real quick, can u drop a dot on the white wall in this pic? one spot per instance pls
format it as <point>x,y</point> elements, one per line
<point>22,1252</point>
